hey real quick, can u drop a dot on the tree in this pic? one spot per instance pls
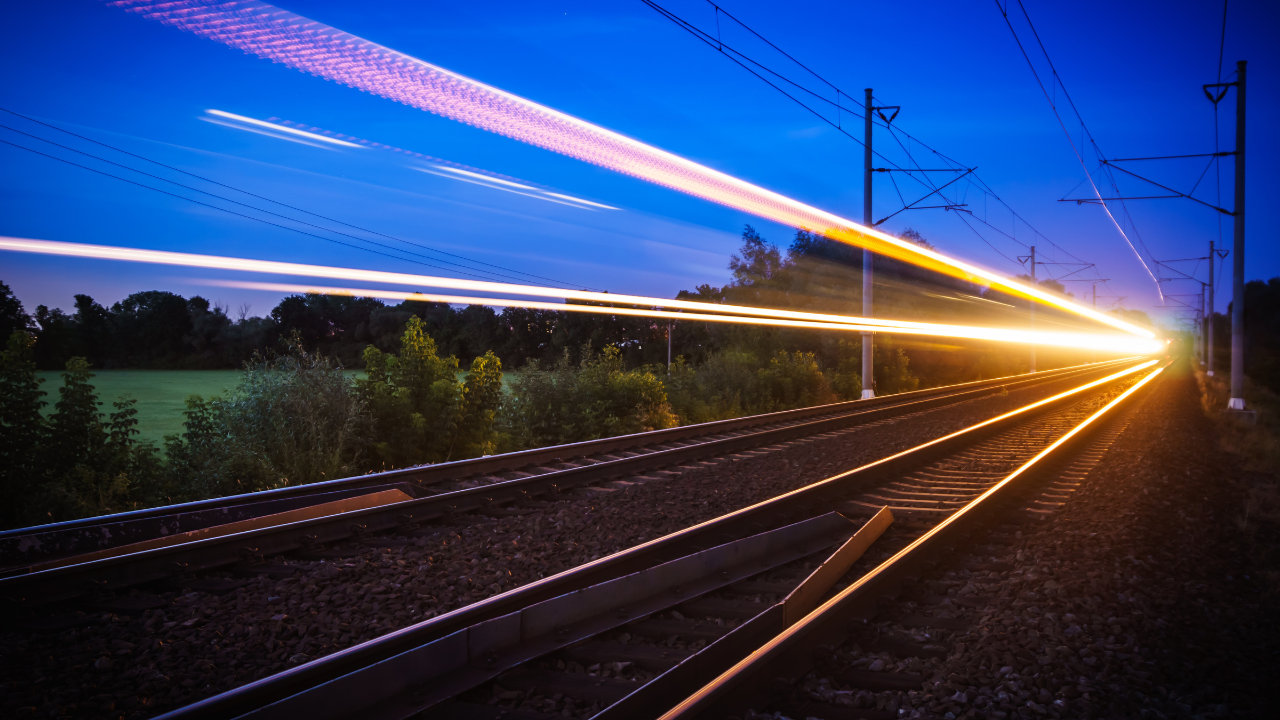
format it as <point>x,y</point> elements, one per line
<point>481,398</point>
<point>12,315</point>
<point>56,338</point>
<point>152,327</point>
<point>415,399</point>
<point>96,337</point>
<point>759,261</point>
<point>22,429</point>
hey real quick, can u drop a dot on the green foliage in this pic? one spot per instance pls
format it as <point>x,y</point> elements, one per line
<point>597,396</point>
<point>481,400</point>
<point>733,383</point>
<point>77,463</point>
<point>292,420</point>
<point>418,406</point>
<point>22,429</point>
<point>792,380</point>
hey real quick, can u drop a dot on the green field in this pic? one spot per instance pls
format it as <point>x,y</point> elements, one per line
<point>161,394</point>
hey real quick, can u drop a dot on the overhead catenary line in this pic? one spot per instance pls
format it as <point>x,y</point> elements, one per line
<point>741,59</point>
<point>1084,132</point>
<point>238,214</point>
<point>270,200</point>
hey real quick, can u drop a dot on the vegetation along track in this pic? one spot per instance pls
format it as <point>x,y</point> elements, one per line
<point>88,557</point>
<point>603,639</point>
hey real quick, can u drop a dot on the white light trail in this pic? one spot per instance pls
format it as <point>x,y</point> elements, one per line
<point>280,128</point>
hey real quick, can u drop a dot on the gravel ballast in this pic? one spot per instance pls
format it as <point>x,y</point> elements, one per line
<point>1133,600</point>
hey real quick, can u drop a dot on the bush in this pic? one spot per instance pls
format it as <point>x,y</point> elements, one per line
<point>22,430</point>
<point>792,380</point>
<point>292,420</point>
<point>74,464</point>
<point>592,398</point>
<point>421,412</point>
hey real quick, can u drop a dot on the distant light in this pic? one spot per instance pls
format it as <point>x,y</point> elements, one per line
<point>280,128</point>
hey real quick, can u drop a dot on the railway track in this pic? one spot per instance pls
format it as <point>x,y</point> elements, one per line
<point>102,555</point>
<point>875,636</point>
<point>628,635</point>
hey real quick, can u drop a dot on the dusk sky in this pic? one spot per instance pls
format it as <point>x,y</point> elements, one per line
<point>1133,69</point>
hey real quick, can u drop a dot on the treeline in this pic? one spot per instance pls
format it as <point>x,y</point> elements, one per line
<point>1261,334</point>
<point>160,330</point>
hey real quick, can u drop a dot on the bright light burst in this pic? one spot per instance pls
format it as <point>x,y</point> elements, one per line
<point>697,311</point>
<point>312,47</point>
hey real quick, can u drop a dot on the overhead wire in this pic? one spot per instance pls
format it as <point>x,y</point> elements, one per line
<point>1083,130</point>
<point>251,207</point>
<point>741,59</point>
<point>270,200</point>
<point>237,214</point>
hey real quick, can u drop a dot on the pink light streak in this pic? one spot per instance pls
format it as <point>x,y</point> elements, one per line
<point>324,51</point>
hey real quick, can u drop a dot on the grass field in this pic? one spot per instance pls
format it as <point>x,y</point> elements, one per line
<point>161,394</point>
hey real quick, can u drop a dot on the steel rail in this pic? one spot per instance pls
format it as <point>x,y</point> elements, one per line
<point>790,654</point>
<point>35,544</point>
<point>70,581</point>
<point>799,504</point>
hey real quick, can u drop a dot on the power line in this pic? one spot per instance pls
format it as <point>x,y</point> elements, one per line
<point>1084,132</point>
<point>892,130</point>
<point>232,212</point>
<point>270,200</point>
<point>743,60</point>
<point>246,205</point>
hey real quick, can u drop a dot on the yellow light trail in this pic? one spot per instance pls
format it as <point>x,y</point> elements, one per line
<point>1123,344</point>
<point>709,312</point>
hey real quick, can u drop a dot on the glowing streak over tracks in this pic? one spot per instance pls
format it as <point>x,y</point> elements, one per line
<point>710,312</point>
<point>1122,344</point>
<point>312,47</point>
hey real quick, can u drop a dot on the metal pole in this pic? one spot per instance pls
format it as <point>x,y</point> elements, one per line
<point>1033,306</point>
<point>1208,341</point>
<point>1237,282</point>
<point>868,375</point>
<point>1202,337</point>
<point>1093,354</point>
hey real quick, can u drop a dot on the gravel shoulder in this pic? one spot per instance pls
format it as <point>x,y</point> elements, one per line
<point>1140,598</point>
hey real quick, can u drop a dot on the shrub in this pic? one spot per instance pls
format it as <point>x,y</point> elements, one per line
<point>792,380</point>
<point>291,420</point>
<point>22,430</point>
<point>592,398</point>
<point>75,464</point>
<point>421,413</point>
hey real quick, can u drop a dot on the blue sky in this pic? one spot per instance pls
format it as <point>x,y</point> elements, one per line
<point>1134,70</point>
